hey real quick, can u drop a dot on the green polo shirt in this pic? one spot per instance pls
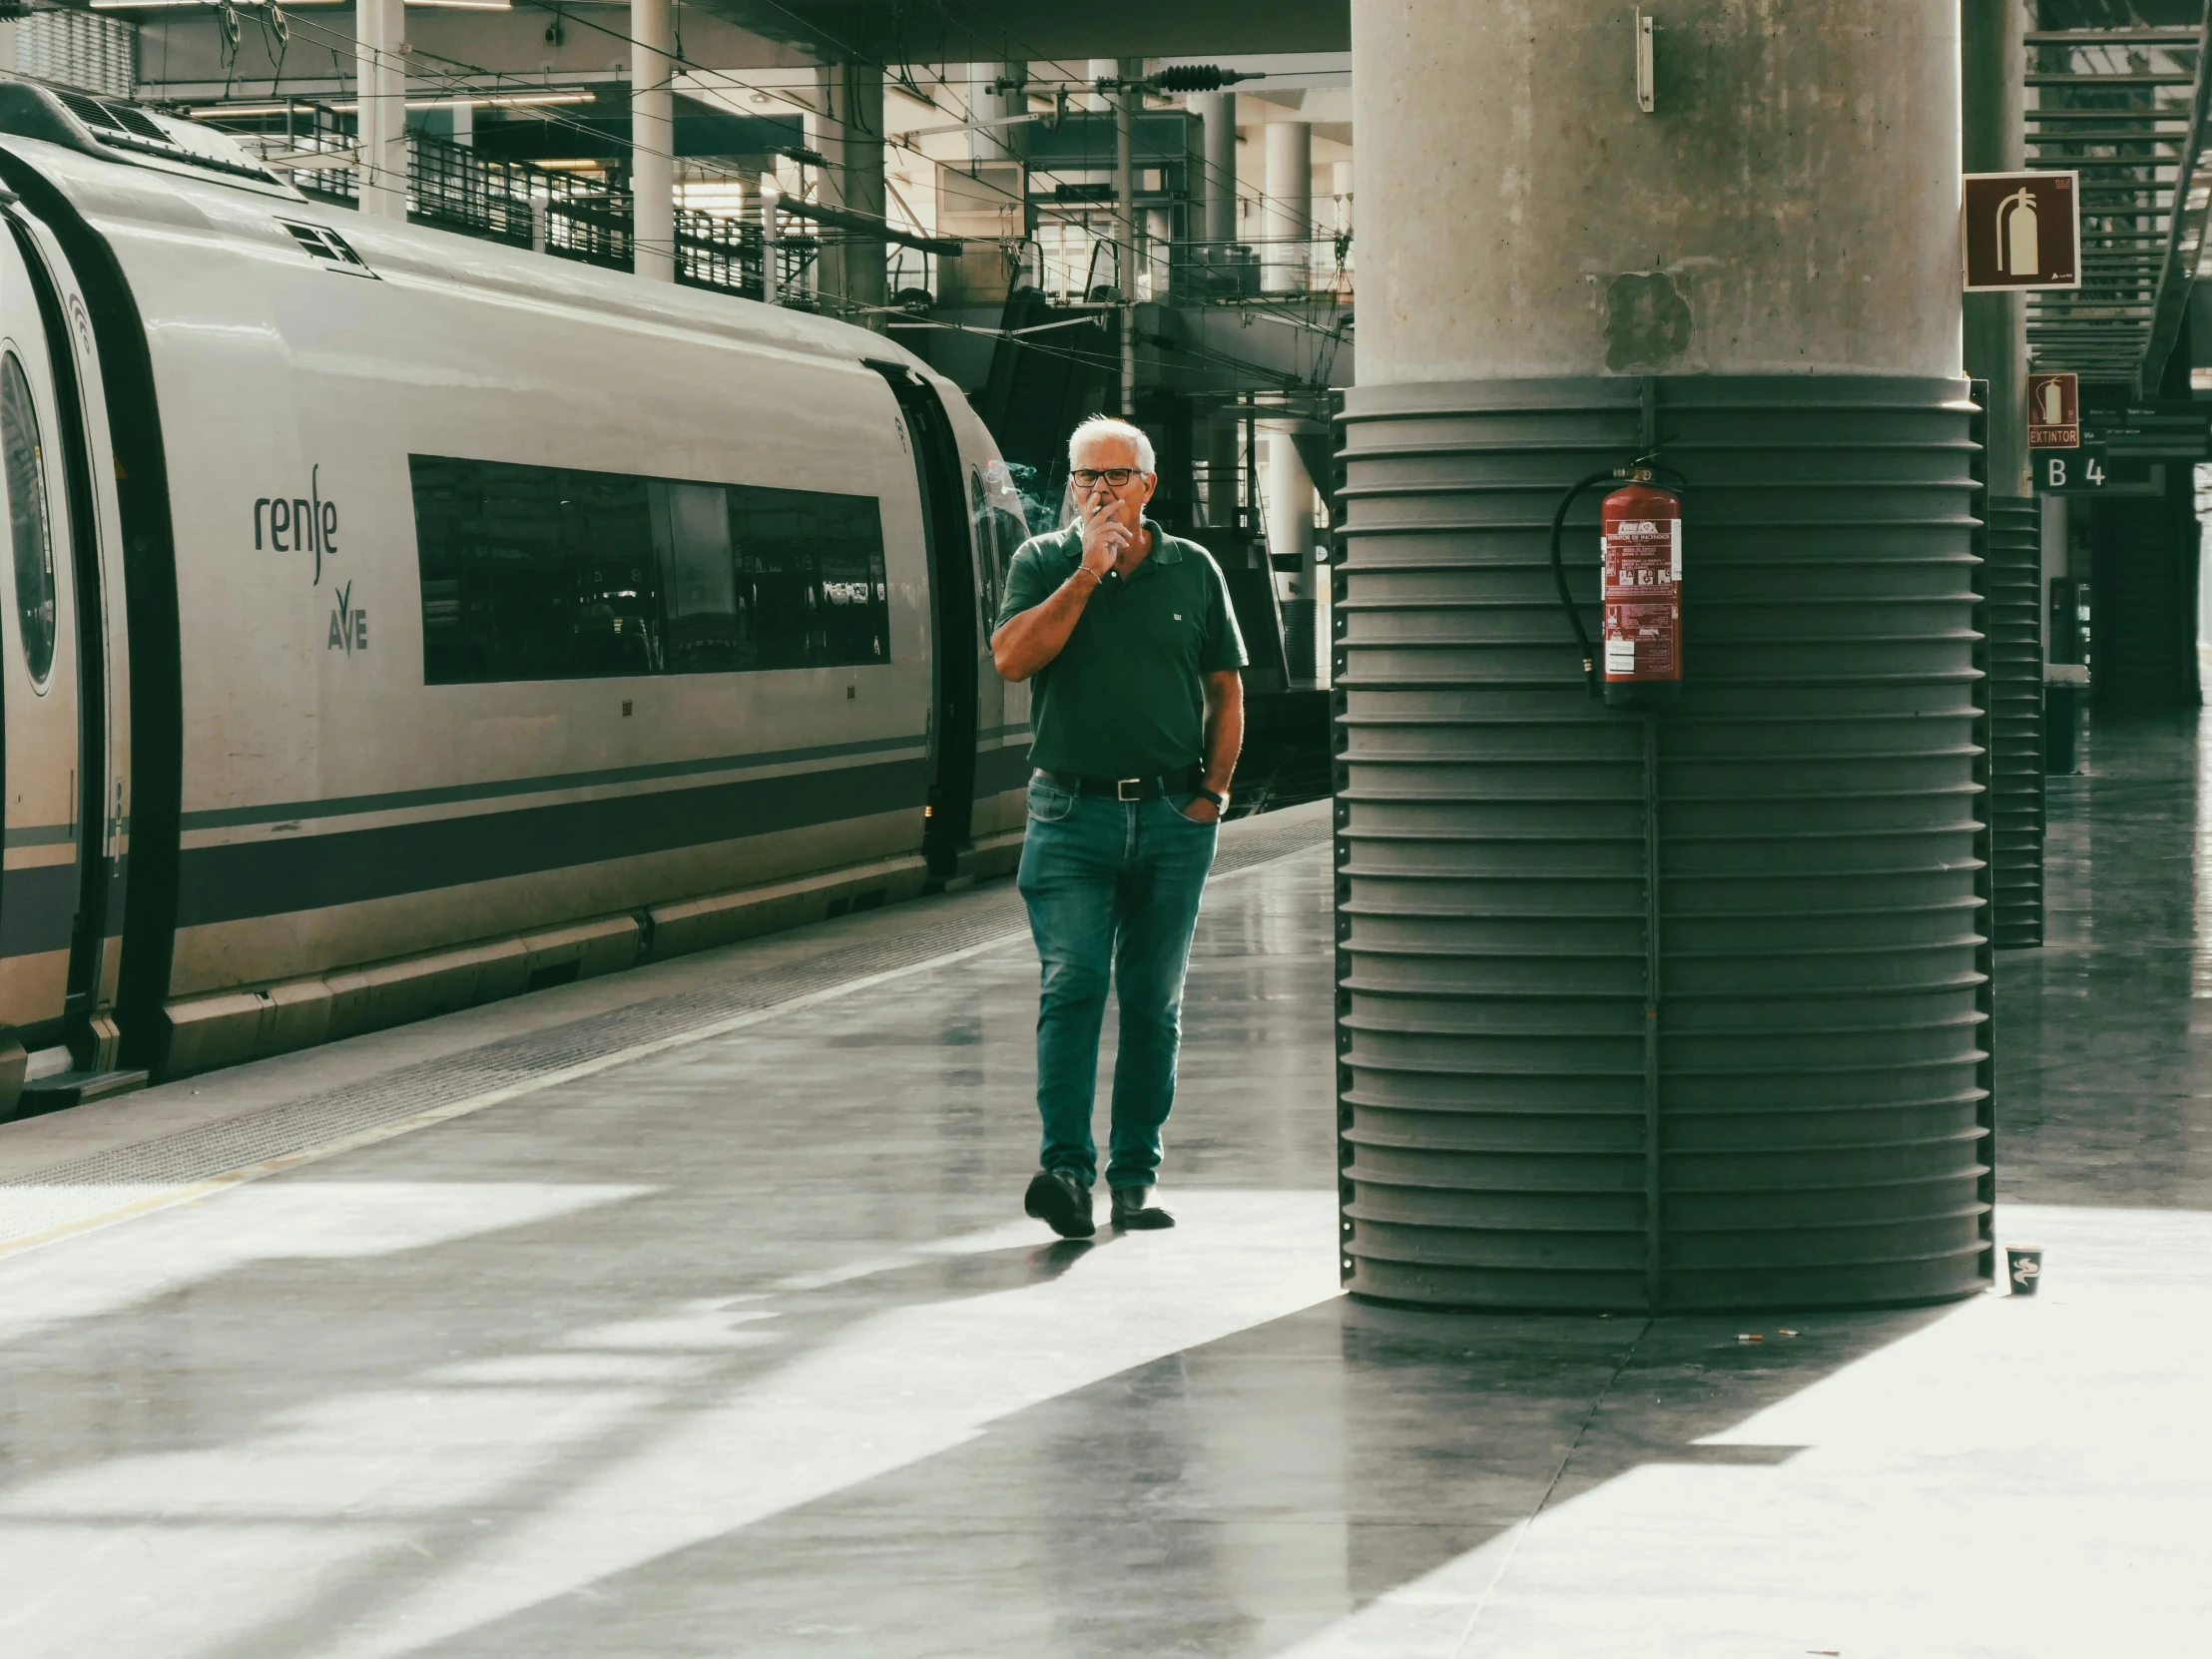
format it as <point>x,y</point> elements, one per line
<point>1126,696</point>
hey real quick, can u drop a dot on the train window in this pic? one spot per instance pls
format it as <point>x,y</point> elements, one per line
<point>27,524</point>
<point>812,569</point>
<point>548,573</point>
<point>699,581</point>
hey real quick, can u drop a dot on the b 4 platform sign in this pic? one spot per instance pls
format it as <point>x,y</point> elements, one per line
<point>2054,411</point>
<point>2069,472</point>
<point>2023,231</point>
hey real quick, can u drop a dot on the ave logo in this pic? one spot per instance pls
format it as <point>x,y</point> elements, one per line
<point>348,624</point>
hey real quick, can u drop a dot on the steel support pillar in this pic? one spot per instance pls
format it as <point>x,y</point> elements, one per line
<point>854,276</point>
<point>652,140</point>
<point>1218,112</point>
<point>381,78</point>
<point>1287,218</point>
<point>1992,125</point>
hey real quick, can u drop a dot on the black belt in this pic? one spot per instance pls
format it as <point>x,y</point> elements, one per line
<point>1185,782</point>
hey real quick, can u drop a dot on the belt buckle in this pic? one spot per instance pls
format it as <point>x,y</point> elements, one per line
<point>1122,786</point>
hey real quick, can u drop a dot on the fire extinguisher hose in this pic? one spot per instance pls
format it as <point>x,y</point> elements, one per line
<point>1559,569</point>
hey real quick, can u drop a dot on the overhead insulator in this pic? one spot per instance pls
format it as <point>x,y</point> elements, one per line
<point>1198,77</point>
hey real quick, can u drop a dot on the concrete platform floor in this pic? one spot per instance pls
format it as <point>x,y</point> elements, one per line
<point>737,1344</point>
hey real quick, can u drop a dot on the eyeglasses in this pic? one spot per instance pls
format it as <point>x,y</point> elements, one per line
<point>1089,478</point>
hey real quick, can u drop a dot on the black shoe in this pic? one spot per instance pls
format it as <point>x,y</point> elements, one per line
<point>1061,1202</point>
<point>1135,1212</point>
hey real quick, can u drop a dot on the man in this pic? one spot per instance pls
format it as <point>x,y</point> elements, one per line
<point>1137,718</point>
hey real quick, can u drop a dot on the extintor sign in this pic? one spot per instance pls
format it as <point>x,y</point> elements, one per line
<point>2023,231</point>
<point>2054,411</point>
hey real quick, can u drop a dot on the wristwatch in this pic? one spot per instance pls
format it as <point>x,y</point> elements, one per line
<point>1220,801</point>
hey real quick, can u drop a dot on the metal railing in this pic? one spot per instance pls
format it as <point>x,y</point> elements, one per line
<point>1077,263</point>
<point>522,204</point>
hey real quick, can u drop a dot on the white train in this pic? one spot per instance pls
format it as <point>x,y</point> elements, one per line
<point>397,621</point>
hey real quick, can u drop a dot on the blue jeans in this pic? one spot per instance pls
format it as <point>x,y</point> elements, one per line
<point>1113,886</point>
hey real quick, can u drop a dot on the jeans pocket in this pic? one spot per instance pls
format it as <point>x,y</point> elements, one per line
<point>1048,802</point>
<point>1178,802</point>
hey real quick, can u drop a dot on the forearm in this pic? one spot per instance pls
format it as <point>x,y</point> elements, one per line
<point>1224,731</point>
<point>1031,640</point>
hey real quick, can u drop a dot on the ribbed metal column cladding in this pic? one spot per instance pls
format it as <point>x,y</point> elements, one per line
<point>1801,1123</point>
<point>2011,584</point>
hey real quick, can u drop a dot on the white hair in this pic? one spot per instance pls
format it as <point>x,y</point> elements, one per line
<point>1106,426</point>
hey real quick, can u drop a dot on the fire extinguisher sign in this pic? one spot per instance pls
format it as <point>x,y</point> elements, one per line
<point>2021,231</point>
<point>2054,411</point>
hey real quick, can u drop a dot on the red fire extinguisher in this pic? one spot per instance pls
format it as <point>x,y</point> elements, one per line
<point>1641,641</point>
<point>1637,660</point>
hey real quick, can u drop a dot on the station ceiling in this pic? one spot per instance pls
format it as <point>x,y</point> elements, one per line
<point>2117,91</point>
<point>968,31</point>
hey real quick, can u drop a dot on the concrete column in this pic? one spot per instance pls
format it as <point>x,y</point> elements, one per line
<point>1126,104</point>
<point>772,269</point>
<point>852,281</point>
<point>1218,110</point>
<point>464,123</point>
<point>989,100</point>
<point>1790,207</point>
<point>2056,562</point>
<point>381,82</point>
<point>652,140</point>
<point>1224,459</point>
<point>1290,510</point>
<point>1992,124</point>
<point>1095,71</point>
<point>1339,186</point>
<point>1287,218</point>
<point>1774,858</point>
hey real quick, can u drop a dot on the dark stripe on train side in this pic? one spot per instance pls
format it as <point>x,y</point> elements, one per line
<point>1000,770</point>
<point>453,795</point>
<point>269,878</point>
<point>38,907</point>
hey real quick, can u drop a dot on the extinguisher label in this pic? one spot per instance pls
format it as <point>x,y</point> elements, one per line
<point>1643,611</point>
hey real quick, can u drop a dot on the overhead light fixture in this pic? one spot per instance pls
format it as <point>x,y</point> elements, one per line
<point>486,101</point>
<point>172,5</point>
<point>502,101</point>
<point>574,164</point>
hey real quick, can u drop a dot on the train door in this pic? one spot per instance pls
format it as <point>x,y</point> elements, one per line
<point>41,730</point>
<point>953,630</point>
